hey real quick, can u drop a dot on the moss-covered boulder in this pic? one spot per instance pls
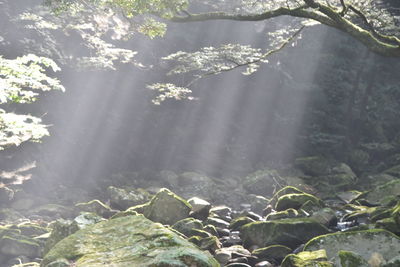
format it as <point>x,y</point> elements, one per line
<point>95,206</point>
<point>237,223</point>
<point>275,252</point>
<point>351,259</point>
<point>128,241</point>
<point>166,208</point>
<point>307,259</point>
<point>284,191</point>
<point>186,226</point>
<point>314,165</point>
<point>17,245</point>
<point>122,198</point>
<point>285,214</point>
<point>367,244</point>
<point>383,194</point>
<point>295,201</point>
<point>287,232</point>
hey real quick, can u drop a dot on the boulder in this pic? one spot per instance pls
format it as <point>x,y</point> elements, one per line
<point>166,208</point>
<point>383,194</point>
<point>124,198</point>
<point>368,244</point>
<point>313,166</point>
<point>351,259</point>
<point>200,208</point>
<point>284,191</point>
<point>96,206</point>
<point>295,201</point>
<point>307,259</point>
<point>127,241</point>
<point>18,245</point>
<point>262,182</point>
<point>275,252</point>
<point>287,232</point>
<point>186,226</point>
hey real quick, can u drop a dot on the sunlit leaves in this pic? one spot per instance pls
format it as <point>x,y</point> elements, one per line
<point>20,81</point>
<point>169,91</point>
<point>16,129</point>
<point>214,60</point>
<point>152,28</point>
<point>21,78</point>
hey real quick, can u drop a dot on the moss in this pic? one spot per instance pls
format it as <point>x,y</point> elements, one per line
<point>237,223</point>
<point>316,258</point>
<point>274,252</point>
<point>295,201</point>
<point>127,241</point>
<point>350,259</point>
<point>360,242</point>
<point>289,213</point>
<point>284,191</point>
<point>287,232</point>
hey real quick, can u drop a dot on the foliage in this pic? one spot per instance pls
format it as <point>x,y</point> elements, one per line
<point>20,81</point>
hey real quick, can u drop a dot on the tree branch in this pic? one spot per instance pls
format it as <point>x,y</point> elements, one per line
<point>378,43</point>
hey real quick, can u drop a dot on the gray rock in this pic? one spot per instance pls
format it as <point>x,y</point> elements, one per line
<point>167,208</point>
<point>370,245</point>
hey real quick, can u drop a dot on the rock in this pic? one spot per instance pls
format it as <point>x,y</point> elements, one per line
<point>128,241</point>
<point>170,178</point>
<point>54,211</point>
<point>31,229</point>
<point>10,215</point>
<point>287,232</point>
<point>349,196</point>
<point>275,252</point>
<point>18,245</point>
<point>219,223</point>
<point>257,203</point>
<point>314,166</point>
<point>237,264</point>
<point>289,213</point>
<point>262,182</point>
<point>221,211</point>
<point>124,198</point>
<point>200,208</point>
<point>210,243</point>
<point>224,255</point>
<point>166,208</point>
<point>394,171</point>
<point>383,194</point>
<point>362,243</point>
<point>96,206</point>
<point>87,218</point>
<point>307,258</point>
<point>60,229</point>
<point>284,191</point>
<point>264,264</point>
<point>239,222</point>
<point>295,201</point>
<point>325,216</point>
<point>193,184</point>
<point>351,259</point>
<point>186,226</point>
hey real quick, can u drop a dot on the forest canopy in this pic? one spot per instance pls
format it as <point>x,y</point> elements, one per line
<point>101,26</point>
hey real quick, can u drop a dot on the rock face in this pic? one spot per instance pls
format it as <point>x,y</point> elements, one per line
<point>369,245</point>
<point>287,232</point>
<point>127,241</point>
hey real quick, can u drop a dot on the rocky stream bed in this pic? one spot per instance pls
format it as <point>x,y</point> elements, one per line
<point>309,214</point>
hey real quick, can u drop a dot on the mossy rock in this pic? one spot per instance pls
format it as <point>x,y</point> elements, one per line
<point>314,165</point>
<point>287,232</point>
<point>262,182</point>
<point>237,223</point>
<point>388,224</point>
<point>316,258</point>
<point>18,245</point>
<point>351,259</point>
<point>274,252</point>
<point>295,201</point>
<point>363,243</point>
<point>284,191</point>
<point>124,198</point>
<point>289,213</point>
<point>384,194</point>
<point>395,171</point>
<point>128,241</point>
<point>166,208</point>
<point>95,206</point>
<point>186,226</point>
